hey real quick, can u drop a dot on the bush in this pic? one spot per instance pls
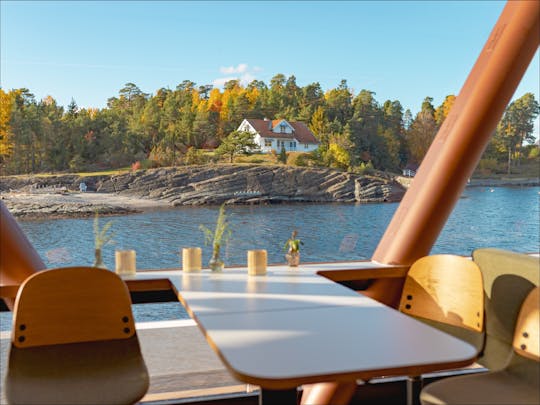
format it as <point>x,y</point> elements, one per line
<point>534,152</point>
<point>195,157</point>
<point>488,166</point>
<point>365,168</point>
<point>164,156</point>
<point>78,163</point>
<point>297,158</point>
<point>135,166</point>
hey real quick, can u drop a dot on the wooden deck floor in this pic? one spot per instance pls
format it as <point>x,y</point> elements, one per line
<point>180,363</point>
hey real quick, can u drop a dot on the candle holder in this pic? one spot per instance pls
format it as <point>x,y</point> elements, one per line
<point>257,261</point>
<point>125,261</point>
<point>191,259</point>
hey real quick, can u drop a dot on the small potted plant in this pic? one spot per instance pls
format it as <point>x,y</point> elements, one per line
<point>292,247</point>
<point>215,238</point>
<point>102,237</point>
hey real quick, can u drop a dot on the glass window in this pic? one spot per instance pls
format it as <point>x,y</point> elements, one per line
<point>267,142</point>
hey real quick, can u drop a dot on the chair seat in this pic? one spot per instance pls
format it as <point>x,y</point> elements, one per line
<point>69,373</point>
<point>493,388</point>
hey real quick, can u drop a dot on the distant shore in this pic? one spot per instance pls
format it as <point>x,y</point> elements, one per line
<point>505,182</point>
<point>35,197</point>
<point>491,182</point>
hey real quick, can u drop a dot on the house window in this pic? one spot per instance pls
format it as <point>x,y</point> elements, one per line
<point>282,128</point>
<point>306,146</point>
<point>268,142</point>
<point>292,145</point>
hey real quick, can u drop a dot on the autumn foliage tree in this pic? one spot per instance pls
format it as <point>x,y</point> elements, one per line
<point>170,126</point>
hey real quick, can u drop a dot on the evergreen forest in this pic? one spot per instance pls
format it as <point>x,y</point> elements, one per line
<point>193,125</point>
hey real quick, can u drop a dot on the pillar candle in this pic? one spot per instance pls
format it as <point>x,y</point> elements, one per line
<point>191,259</point>
<point>125,262</point>
<point>256,262</point>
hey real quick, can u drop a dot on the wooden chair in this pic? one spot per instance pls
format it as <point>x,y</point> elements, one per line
<point>517,383</point>
<point>446,291</point>
<point>508,278</point>
<point>74,341</point>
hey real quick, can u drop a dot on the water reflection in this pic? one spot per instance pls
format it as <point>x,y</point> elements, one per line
<point>505,218</point>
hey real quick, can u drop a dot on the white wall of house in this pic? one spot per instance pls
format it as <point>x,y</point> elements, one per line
<point>245,126</point>
<point>259,140</point>
<point>266,144</point>
<point>306,147</point>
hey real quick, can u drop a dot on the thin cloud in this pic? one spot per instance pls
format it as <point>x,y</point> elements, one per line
<point>243,73</point>
<point>229,70</point>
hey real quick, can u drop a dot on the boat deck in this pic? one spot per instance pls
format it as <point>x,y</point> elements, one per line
<point>184,369</point>
<point>179,361</point>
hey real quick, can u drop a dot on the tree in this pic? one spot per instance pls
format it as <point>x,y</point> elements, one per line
<point>338,155</point>
<point>6,136</point>
<point>442,111</point>
<point>318,125</point>
<point>339,105</point>
<point>392,132</point>
<point>282,157</point>
<point>365,127</point>
<point>516,127</point>
<point>237,142</point>
<point>420,135</point>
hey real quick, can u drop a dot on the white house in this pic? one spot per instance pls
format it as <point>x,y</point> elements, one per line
<point>293,136</point>
<point>410,170</point>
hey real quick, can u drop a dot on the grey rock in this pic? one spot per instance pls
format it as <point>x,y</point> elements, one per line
<point>232,184</point>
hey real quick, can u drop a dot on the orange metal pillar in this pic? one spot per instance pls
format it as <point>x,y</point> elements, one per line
<point>462,138</point>
<point>18,258</point>
<point>453,155</point>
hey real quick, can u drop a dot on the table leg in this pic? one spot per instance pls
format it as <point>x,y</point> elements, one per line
<point>335,393</point>
<point>278,397</point>
<point>414,386</point>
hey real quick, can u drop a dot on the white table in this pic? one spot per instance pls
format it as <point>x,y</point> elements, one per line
<point>293,327</point>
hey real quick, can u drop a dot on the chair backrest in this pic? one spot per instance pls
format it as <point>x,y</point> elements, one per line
<point>508,278</point>
<point>72,305</point>
<point>446,289</point>
<point>527,334</point>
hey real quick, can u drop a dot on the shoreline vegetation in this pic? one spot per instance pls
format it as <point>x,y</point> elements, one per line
<point>201,124</point>
<point>58,196</point>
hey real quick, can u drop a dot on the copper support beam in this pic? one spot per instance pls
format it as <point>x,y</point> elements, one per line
<point>464,135</point>
<point>18,258</point>
<point>454,154</point>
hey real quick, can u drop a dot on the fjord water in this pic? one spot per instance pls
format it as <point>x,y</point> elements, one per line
<point>506,218</point>
<point>496,217</point>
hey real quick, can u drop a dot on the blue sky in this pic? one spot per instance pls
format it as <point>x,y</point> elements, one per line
<point>399,50</point>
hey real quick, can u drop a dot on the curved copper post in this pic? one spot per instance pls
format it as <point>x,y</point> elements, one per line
<point>454,154</point>
<point>18,258</point>
<point>461,140</point>
<point>326,393</point>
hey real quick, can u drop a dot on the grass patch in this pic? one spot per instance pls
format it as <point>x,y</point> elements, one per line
<point>258,158</point>
<point>112,172</point>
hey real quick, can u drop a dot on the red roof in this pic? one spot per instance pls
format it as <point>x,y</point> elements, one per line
<point>301,132</point>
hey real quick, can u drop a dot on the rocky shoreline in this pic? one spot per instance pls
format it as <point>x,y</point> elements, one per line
<point>58,196</point>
